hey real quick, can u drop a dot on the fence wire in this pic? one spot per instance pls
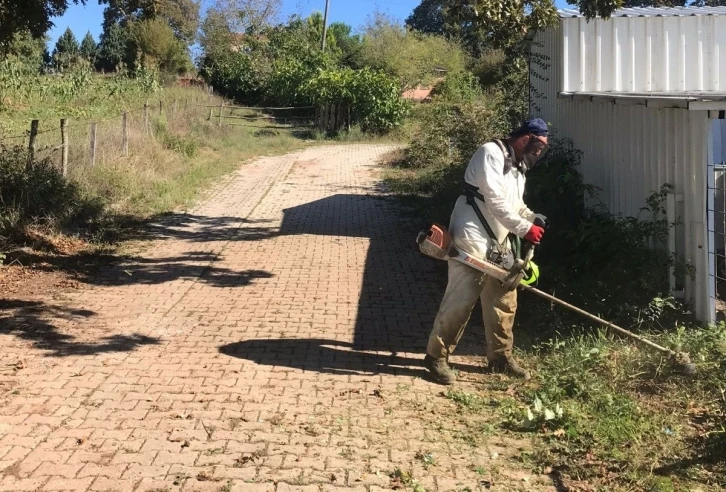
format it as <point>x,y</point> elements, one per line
<point>717,231</point>
<point>130,134</point>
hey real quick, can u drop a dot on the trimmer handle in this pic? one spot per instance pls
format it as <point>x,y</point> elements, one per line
<point>527,245</point>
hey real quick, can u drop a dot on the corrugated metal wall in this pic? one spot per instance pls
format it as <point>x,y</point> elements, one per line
<point>629,151</point>
<point>644,54</point>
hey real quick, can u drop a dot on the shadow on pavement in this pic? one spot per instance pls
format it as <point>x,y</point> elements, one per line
<point>326,356</point>
<point>27,320</point>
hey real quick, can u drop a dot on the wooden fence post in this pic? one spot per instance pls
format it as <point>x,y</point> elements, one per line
<point>221,109</point>
<point>146,117</point>
<point>125,134</point>
<point>161,107</point>
<point>93,144</point>
<point>211,114</point>
<point>33,135</point>
<point>64,143</point>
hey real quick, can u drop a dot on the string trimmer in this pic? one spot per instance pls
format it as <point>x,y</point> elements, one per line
<point>436,242</point>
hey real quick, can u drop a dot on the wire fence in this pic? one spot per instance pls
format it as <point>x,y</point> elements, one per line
<point>716,201</point>
<point>76,144</point>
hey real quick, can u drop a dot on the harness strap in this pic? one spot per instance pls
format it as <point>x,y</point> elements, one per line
<point>471,192</point>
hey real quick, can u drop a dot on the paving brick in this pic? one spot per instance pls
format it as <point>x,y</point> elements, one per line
<point>53,469</point>
<point>66,484</point>
<point>283,487</point>
<point>253,487</point>
<point>103,484</point>
<point>13,484</point>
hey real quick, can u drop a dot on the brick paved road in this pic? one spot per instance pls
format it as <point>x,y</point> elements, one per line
<point>269,340</point>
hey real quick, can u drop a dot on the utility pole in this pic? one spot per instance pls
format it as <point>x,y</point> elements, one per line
<point>325,24</point>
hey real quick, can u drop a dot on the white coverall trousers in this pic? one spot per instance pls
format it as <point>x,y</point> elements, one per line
<point>467,285</point>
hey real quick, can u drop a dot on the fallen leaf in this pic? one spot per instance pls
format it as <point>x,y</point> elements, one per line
<point>203,477</point>
<point>559,433</point>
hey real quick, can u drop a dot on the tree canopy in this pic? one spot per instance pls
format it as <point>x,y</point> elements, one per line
<point>66,50</point>
<point>31,16</point>
<point>88,49</point>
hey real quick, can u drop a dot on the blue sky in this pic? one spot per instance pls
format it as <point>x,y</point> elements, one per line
<point>82,19</point>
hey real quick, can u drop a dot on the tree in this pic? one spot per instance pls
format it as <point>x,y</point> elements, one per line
<point>498,24</point>
<point>249,16</point>
<point>411,57</point>
<point>113,49</point>
<point>215,36</point>
<point>31,16</point>
<point>181,15</point>
<point>27,52</point>
<point>349,45</point>
<point>89,49</point>
<point>428,17</point>
<point>66,50</point>
<point>156,46</point>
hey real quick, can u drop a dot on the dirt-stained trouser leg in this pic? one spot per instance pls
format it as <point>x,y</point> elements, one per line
<point>463,290</point>
<point>499,307</point>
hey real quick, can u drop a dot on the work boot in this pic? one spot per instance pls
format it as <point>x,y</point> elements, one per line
<point>509,366</point>
<point>440,370</point>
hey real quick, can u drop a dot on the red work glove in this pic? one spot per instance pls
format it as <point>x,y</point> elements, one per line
<point>535,234</point>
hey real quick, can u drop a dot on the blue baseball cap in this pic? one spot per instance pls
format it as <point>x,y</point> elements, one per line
<point>535,126</point>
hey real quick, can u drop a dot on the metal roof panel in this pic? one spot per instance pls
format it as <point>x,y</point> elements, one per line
<point>653,12</point>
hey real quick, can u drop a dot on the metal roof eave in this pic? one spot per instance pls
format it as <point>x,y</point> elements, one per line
<point>569,13</point>
<point>680,101</point>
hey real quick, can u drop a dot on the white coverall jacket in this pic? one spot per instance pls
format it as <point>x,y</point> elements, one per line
<point>504,208</point>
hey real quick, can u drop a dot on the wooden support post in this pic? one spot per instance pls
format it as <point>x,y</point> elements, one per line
<point>33,136</point>
<point>125,134</point>
<point>146,117</point>
<point>161,107</point>
<point>211,114</point>
<point>64,144</point>
<point>221,109</point>
<point>93,144</point>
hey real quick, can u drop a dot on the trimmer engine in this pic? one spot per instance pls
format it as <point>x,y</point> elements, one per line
<point>436,242</point>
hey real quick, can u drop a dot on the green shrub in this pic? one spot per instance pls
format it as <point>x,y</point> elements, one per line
<point>614,265</point>
<point>182,144</point>
<point>36,192</point>
<point>374,98</point>
<point>458,87</point>
<point>450,133</point>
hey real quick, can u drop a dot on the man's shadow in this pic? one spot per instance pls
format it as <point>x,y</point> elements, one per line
<point>400,293</point>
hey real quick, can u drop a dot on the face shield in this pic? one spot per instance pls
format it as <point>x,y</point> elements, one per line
<point>535,150</point>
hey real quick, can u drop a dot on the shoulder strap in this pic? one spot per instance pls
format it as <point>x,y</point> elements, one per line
<point>508,161</point>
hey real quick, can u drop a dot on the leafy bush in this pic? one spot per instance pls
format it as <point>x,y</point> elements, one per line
<point>157,47</point>
<point>611,264</point>
<point>178,143</point>
<point>36,192</point>
<point>458,87</point>
<point>374,98</point>
<point>450,133</point>
<point>232,75</point>
<point>411,57</point>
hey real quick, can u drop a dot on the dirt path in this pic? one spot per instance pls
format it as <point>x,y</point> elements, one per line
<point>270,339</point>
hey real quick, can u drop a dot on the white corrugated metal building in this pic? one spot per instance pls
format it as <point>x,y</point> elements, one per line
<point>640,95</point>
